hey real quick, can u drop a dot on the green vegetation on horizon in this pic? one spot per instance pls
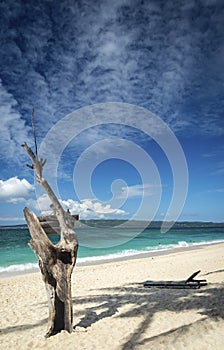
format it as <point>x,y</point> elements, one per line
<point>136,224</point>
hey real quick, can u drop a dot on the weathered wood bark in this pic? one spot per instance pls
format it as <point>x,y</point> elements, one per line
<point>56,261</point>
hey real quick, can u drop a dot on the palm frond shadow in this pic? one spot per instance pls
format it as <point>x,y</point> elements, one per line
<point>147,302</point>
<point>23,327</point>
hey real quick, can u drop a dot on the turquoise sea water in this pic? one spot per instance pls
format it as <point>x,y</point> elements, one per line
<point>16,256</point>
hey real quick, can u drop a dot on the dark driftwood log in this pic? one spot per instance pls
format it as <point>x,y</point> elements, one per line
<point>189,283</point>
<point>56,261</point>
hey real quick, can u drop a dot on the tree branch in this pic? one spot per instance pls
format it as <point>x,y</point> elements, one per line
<point>56,261</point>
<point>65,220</point>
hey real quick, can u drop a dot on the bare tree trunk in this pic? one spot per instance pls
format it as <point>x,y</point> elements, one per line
<point>56,261</point>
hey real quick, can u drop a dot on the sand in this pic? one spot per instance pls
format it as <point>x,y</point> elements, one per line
<point>113,311</point>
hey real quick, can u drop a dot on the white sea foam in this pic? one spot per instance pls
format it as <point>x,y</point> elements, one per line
<point>30,267</point>
<point>123,254</point>
<point>209,242</point>
<point>164,247</point>
<point>18,268</point>
<point>184,244</point>
<point>132,252</point>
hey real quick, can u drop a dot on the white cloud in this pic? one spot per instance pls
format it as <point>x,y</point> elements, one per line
<point>15,190</point>
<point>216,190</point>
<point>91,209</point>
<point>220,190</point>
<point>13,130</point>
<point>220,171</point>
<point>139,190</point>
<point>42,204</point>
<point>87,209</point>
<point>11,218</point>
<point>112,52</point>
<point>219,168</point>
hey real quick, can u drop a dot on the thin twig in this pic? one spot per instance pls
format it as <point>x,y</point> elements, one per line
<point>34,133</point>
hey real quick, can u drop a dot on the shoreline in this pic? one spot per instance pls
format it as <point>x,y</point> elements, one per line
<point>102,261</point>
<point>144,255</point>
<point>112,309</point>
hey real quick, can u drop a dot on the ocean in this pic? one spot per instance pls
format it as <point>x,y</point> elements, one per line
<point>17,257</point>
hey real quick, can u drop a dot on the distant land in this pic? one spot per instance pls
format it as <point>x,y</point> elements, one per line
<point>153,224</point>
<point>135,224</point>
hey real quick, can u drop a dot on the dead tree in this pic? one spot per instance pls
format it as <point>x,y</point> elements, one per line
<point>56,262</point>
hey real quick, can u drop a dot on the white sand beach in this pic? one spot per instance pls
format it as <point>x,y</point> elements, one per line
<point>113,311</point>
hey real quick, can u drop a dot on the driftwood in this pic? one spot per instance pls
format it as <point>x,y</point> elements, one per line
<point>189,283</point>
<point>50,223</point>
<point>56,262</point>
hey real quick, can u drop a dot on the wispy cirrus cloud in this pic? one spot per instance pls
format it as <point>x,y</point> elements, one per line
<point>137,191</point>
<point>163,57</point>
<point>13,129</point>
<point>220,190</point>
<point>219,171</point>
<point>10,219</point>
<point>166,57</point>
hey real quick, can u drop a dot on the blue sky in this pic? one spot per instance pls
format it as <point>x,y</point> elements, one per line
<point>166,57</point>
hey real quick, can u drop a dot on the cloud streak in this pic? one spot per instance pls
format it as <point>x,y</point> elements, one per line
<point>138,191</point>
<point>165,57</point>
<point>13,130</point>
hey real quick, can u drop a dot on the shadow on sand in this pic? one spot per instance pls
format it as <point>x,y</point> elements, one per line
<point>147,302</point>
<point>207,302</point>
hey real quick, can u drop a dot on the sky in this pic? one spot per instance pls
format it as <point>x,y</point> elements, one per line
<point>129,103</point>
